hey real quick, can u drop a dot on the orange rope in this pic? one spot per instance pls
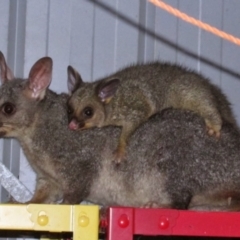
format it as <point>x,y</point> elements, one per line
<point>196,22</point>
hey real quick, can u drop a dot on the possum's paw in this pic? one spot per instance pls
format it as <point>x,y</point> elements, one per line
<point>150,204</point>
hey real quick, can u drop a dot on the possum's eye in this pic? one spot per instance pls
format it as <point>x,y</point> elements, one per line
<point>8,108</point>
<point>88,112</point>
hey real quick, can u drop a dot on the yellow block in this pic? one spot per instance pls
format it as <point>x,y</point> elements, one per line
<point>82,220</point>
<point>52,218</point>
<point>85,222</point>
<point>15,217</point>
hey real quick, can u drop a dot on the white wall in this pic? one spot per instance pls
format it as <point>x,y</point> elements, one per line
<point>98,37</point>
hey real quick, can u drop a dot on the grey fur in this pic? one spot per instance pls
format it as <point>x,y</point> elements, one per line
<point>170,160</point>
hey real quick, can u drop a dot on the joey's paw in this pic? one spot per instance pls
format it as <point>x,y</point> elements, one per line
<point>119,156</point>
<point>213,129</point>
<point>212,132</point>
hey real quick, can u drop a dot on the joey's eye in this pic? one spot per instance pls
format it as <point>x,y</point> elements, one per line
<point>69,110</point>
<point>8,108</point>
<point>88,112</point>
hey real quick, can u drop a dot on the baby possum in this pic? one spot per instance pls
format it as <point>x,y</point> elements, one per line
<point>130,96</point>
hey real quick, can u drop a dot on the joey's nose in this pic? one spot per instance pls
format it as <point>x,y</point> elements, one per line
<point>73,124</point>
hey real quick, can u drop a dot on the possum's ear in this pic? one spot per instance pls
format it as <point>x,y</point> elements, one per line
<point>39,79</point>
<point>74,79</point>
<point>5,72</point>
<point>107,90</point>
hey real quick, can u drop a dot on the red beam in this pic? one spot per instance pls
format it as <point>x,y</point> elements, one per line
<point>123,223</point>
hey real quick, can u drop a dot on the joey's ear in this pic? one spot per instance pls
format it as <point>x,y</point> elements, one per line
<point>107,90</point>
<point>40,77</point>
<point>5,72</point>
<point>74,79</point>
